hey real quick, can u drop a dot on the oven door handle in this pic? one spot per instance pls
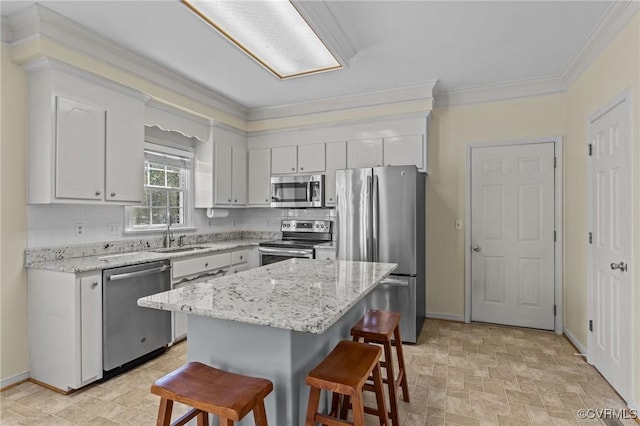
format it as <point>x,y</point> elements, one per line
<point>286,252</point>
<point>138,273</point>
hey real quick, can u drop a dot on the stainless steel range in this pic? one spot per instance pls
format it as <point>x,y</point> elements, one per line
<point>299,237</point>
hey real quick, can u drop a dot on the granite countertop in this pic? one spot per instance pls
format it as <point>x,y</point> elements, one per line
<point>297,294</point>
<point>106,261</point>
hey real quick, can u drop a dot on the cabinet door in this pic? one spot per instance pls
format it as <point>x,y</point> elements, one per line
<point>403,151</point>
<point>80,141</point>
<point>125,152</point>
<point>284,160</point>
<point>90,328</point>
<point>222,175</point>
<point>336,160</point>
<point>311,158</point>
<point>364,153</point>
<point>239,177</point>
<point>259,177</point>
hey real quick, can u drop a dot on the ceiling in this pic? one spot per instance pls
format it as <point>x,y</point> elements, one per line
<point>462,44</point>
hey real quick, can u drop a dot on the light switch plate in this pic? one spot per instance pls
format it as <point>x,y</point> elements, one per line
<point>79,229</point>
<point>113,229</point>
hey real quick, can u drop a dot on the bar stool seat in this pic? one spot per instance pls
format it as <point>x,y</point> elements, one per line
<point>344,372</point>
<point>383,327</point>
<point>210,390</point>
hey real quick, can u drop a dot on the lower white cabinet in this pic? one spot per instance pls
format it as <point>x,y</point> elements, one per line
<point>65,328</point>
<point>186,269</point>
<point>325,253</point>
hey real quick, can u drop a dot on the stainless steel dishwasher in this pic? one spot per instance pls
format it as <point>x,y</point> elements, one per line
<point>130,333</point>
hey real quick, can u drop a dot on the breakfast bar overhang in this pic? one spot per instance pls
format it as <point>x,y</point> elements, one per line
<point>275,322</point>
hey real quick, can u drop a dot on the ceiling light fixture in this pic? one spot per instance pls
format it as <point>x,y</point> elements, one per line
<point>272,32</point>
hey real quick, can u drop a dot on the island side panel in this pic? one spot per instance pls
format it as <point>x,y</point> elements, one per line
<point>282,356</point>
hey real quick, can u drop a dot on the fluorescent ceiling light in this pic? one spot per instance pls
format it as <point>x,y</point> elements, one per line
<point>271,32</point>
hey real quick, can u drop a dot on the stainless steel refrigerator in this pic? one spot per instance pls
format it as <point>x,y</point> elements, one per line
<point>381,218</point>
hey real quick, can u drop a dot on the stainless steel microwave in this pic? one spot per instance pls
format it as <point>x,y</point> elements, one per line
<point>297,191</point>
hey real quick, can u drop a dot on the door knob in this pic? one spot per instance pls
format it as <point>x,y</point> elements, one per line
<point>622,266</point>
<point>476,249</point>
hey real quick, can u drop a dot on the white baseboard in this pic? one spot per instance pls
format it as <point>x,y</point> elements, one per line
<point>458,318</point>
<point>575,342</point>
<point>8,381</point>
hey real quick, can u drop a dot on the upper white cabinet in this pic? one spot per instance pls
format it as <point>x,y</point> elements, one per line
<point>259,177</point>
<point>311,158</point>
<point>403,150</point>
<point>86,139</point>
<point>364,153</point>
<point>224,184</point>
<point>336,160</point>
<point>388,151</point>
<point>284,159</point>
<point>298,159</point>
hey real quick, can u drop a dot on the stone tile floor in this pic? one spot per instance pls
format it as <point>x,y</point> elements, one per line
<point>459,374</point>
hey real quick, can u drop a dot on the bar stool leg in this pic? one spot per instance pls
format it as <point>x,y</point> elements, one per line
<point>225,422</point>
<point>379,387</point>
<point>391,383</point>
<point>259,414</point>
<point>400,355</point>
<point>312,407</point>
<point>358,409</point>
<point>203,419</point>
<point>164,412</point>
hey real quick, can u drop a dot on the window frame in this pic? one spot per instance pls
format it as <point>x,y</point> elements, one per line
<point>188,190</point>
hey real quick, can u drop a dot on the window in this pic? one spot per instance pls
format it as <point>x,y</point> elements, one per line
<point>167,177</point>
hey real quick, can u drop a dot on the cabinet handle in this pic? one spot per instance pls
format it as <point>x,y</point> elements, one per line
<point>94,285</point>
<point>301,168</point>
<point>241,257</point>
<point>235,201</point>
<point>229,200</point>
<point>330,199</point>
<point>293,169</point>
<point>98,193</point>
<point>113,194</point>
<point>266,200</point>
<point>206,264</point>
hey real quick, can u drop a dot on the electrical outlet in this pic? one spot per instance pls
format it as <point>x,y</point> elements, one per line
<point>458,224</point>
<point>113,229</point>
<point>233,222</point>
<point>79,229</point>
<point>209,222</point>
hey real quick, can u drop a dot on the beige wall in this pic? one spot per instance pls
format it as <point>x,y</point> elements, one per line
<point>615,70</point>
<point>451,130</point>
<point>14,351</point>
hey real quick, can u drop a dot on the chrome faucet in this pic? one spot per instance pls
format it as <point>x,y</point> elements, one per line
<point>168,235</point>
<point>181,240</point>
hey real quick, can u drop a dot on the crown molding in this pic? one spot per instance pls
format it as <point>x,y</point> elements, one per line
<point>38,21</point>
<point>421,115</point>
<point>614,20</point>
<point>321,19</point>
<point>423,92</point>
<point>500,92</point>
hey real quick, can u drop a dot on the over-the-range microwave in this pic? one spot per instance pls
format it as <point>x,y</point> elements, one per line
<point>301,191</point>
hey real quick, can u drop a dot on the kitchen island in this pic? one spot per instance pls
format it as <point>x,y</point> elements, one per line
<point>276,322</point>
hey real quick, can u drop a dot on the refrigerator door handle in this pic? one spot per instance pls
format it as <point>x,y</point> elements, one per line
<point>375,218</point>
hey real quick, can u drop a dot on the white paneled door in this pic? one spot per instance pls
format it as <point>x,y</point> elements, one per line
<point>610,310</point>
<point>512,235</point>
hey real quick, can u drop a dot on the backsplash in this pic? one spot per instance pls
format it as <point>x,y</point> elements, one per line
<point>55,225</point>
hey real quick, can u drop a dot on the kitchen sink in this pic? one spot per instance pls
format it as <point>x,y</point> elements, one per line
<point>179,249</point>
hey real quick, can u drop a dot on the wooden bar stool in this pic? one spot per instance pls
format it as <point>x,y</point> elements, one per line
<point>379,327</point>
<point>210,390</point>
<point>344,372</point>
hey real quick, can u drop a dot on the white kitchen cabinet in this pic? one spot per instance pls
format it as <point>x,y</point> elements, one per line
<point>65,328</point>
<point>86,138</point>
<point>364,153</point>
<point>311,158</point>
<point>284,160</point>
<point>224,184</point>
<point>239,176</point>
<point>325,253</point>
<point>336,160</point>
<point>222,177</point>
<point>259,177</point>
<point>302,159</point>
<point>404,150</point>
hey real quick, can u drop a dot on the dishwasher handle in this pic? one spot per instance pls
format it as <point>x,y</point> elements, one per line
<point>138,273</point>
